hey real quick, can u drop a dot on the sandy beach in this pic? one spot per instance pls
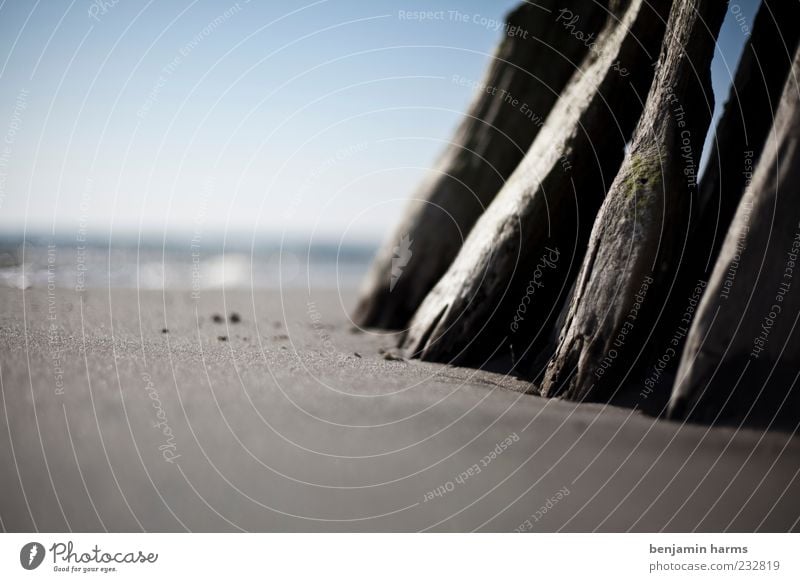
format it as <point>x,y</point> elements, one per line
<point>131,410</point>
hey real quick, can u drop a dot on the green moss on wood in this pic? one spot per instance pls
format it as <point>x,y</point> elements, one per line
<point>643,178</point>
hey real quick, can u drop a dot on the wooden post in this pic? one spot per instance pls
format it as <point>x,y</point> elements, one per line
<point>511,276</point>
<point>741,358</point>
<point>537,56</point>
<point>637,241</point>
<point>738,141</point>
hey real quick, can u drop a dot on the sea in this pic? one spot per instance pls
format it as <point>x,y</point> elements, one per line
<point>151,261</point>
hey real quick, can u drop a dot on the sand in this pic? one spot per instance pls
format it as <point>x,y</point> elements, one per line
<point>131,411</point>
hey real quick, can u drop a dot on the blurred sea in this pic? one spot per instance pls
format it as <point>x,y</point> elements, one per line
<point>179,262</point>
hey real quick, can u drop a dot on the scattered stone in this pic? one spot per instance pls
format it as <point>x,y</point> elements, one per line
<point>217,318</point>
<point>356,354</point>
<point>235,317</point>
<point>164,330</point>
<point>393,357</point>
<point>222,338</point>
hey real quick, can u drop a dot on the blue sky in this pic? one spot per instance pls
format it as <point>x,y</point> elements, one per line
<point>253,117</point>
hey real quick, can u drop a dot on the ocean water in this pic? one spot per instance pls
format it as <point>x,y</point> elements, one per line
<point>153,263</point>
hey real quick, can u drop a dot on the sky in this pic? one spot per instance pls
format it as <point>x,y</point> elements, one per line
<point>269,118</point>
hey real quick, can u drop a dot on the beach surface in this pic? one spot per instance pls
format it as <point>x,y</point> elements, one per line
<point>130,410</point>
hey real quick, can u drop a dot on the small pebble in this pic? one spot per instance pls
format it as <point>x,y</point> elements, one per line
<point>392,357</point>
<point>217,318</point>
<point>222,338</point>
<point>356,354</point>
<point>164,330</point>
<point>235,317</point>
